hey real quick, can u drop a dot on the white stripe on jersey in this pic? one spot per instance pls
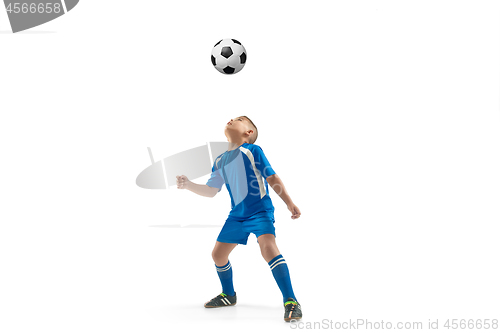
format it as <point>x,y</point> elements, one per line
<point>217,162</point>
<point>262,187</point>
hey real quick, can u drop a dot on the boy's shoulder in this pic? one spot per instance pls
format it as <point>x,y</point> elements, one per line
<point>251,146</point>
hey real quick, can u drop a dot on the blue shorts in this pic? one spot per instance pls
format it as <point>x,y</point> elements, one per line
<point>237,230</point>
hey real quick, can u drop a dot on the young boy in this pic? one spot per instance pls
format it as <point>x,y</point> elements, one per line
<point>246,172</point>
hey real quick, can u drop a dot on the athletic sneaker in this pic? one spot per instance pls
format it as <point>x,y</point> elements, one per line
<point>221,300</point>
<point>292,309</point>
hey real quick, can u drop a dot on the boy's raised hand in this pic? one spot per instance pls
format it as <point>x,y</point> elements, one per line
<point>182,182</point>
<point>294,210</point>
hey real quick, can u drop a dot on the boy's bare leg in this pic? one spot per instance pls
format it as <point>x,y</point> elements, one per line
<point>268,247</point>
<point>221,252</point>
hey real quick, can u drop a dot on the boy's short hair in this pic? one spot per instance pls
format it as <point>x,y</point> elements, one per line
<point>252,138</point>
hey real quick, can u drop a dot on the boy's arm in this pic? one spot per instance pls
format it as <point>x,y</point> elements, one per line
<point>278,186</point>
<point>184,183</point>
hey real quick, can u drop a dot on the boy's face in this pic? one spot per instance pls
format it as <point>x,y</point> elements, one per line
<point>238,125</point>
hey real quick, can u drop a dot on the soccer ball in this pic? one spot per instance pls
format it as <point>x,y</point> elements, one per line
<point>229,56</point>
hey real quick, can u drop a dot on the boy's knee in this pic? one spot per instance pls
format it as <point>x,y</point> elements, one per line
<point>219,258</point>
<point>269,251</point>
<point>264,248</point>
<point>265,252</point>
<point>215,255</point>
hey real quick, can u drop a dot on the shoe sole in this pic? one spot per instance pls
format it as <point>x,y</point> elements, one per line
<point>219,306</point>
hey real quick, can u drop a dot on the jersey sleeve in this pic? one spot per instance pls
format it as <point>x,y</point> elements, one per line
<point>216,180</point>
<point>262,163</point>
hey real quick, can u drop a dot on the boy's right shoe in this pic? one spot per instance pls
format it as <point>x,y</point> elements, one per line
<point>292,310</point>
<point>221,300</point>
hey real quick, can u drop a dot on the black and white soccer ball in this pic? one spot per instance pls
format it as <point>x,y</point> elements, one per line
<point>229,56</point>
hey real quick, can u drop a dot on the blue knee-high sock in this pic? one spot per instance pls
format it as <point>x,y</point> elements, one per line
<point>282,276</point>
<point>226,278</point>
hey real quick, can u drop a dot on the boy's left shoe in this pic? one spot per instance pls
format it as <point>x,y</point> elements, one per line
<point>221,300</point>
<point>292,310</point>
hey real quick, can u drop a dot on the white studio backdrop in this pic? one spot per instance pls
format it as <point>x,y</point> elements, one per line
<point>381,117</point>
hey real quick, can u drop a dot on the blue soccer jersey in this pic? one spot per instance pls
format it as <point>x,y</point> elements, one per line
<point>244,171</point>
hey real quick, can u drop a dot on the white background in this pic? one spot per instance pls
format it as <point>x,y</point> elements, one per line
<point>381,117</point>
